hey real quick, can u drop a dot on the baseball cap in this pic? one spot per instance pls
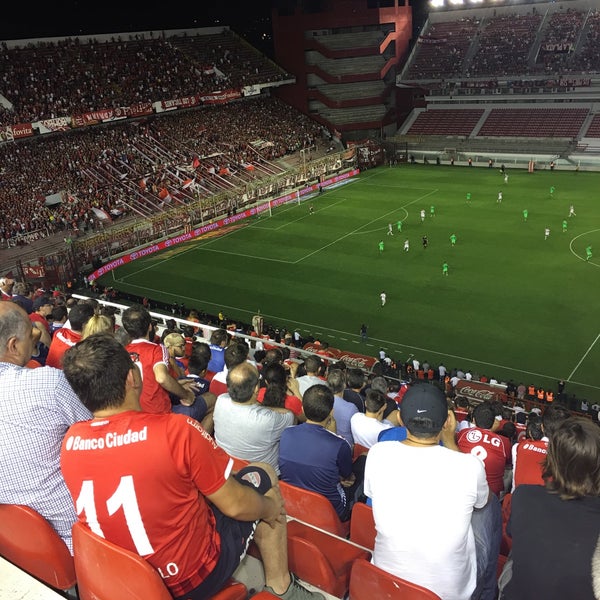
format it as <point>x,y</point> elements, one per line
<point>41,301</point>
<point>424,409</point>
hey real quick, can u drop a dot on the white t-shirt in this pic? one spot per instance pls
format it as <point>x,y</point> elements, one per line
<point>366,430</point>
<point>423,514</point>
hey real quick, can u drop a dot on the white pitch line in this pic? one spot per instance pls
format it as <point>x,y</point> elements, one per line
<point>583,358</point>
<point>310,328</point>
<point>362,227</point>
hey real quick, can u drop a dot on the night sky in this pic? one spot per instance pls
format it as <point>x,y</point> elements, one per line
<point>81,17</point>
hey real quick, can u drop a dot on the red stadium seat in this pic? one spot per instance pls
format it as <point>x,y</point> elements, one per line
<point>106,571</point>
<point>362,525</point>
<point>358,450</point>
<point>312,508</point>
<point>322,559</point>
<point>368,582</point>
<point>29,541</point>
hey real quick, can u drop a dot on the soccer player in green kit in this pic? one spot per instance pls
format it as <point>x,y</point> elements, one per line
<point>453,239</point>
<point>564,226</point>
<point>525,214</point>
<point>588,253</point>
<point>445,269</point>
<point>381,246</point>
<point>399,225</point>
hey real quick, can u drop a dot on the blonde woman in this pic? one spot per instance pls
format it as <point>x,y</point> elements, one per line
<point>98,324</point>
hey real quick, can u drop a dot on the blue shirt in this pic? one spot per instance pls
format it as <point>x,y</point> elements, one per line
<point>313,458</point>
<point>342,413</point>
<point>217,358</point>
<point>393,434</point>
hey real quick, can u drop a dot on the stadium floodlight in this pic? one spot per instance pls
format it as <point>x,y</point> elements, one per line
<point>436,3</point>
<point>476,1</point>
<point>456,2</point>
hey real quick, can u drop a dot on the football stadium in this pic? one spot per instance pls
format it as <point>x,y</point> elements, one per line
<point>298,301</point>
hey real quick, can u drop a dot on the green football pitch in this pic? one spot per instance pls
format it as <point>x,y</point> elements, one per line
<point>514,305</point>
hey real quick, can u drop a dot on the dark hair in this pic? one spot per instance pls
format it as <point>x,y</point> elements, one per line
<point>242,381</point>
<point>312,364</point>
<point>272,355</point>
<point>534,429</point>
<point>374,401</point>
<point>317,402</point>
<point>80,314</point>
<point>136,320</point>
<point>199,358</point>
<point>572,465</point>
<point>275,377</point>
<point>553,416</point>
<point>218,336</point>
<point>97,369</point>
<point>59,312</point>
<point>235,354</point>
<point>355,378</point>
<point>484,415</point>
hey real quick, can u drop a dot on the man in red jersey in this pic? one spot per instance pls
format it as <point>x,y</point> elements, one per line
<point>486,445</point>
<point>153,361</point>
<point>158,485</point>
<point>529,454</point>
<point>65,337</point>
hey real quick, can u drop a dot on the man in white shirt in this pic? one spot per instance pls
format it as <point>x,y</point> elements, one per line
<point>367,427</point>
<point>437,524</point>
<point>312,366</point>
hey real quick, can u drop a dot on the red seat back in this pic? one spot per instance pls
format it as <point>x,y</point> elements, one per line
<point>29,541</point>
<point>313,508</point>
<point>106,571</point>
<point>362,525</point>
<point>322,559</point>
<point>368,582</point>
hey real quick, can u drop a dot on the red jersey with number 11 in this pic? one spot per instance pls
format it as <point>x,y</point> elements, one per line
<point>139,480</point>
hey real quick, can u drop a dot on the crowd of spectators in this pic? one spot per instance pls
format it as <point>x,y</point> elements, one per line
<point>122,169</point>
<point>51,79</point>
<point>322,406</point>
<point>504,46</point>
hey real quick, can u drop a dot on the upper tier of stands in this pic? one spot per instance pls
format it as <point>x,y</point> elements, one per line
<point>71,76</point>
<point>508,44</point>
<point>443,49</point>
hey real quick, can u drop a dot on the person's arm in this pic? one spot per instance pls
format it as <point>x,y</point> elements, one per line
<point>44,335</point>
<point>244,503</point>
<point>184,391</point>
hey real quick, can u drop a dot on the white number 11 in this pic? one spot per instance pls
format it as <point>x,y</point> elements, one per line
<point>125,497</point>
